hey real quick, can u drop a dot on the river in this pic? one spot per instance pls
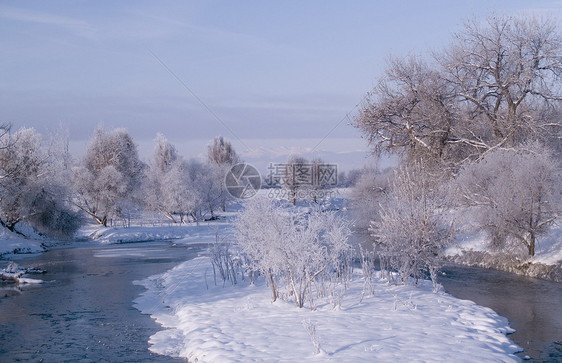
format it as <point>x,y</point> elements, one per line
<point>531,305</point>
<point>84,312</point>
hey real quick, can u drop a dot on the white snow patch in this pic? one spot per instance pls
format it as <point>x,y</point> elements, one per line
<point>208,323</point>
<point>203,232</point>
<point>11,243</point>
<point>549,247</point>
<point>26,280</point>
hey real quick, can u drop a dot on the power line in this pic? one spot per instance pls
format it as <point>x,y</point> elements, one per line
<point>184,84</point>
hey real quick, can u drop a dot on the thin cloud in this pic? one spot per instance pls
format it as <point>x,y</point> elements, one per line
<point>77,26</point>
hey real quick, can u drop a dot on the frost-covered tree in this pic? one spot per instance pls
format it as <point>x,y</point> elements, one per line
<point>165,154</point>
<point>496,86</point>
<point>412,231</point>
<point>495,89</point>
<point>293,249</point>
<point>179,188</point>
<point>220,152</point>
<point>505,72</point>
<point>222,156</point>
<point>181,193</point>
<point>109,177</point>
<point>409,112</point>
<point>298,177</point>
<point>513,195</point>
<point>162,187</point>
<point>205,188</point>
<point>316,186</point>
<point>366,195</point>
<point>34,185</point>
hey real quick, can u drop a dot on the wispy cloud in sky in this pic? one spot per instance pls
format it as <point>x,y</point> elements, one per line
<point>20,15</point>
<point>272,71</point>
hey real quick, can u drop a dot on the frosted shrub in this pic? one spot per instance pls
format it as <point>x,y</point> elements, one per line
<point>412,231</point>
<point>293,250</point>
<point>310,328</point>
<point>367,269</point>
<point>224,262</point>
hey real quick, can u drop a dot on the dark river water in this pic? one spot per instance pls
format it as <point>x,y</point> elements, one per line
<point>84,311</point>
<point>532,306</point>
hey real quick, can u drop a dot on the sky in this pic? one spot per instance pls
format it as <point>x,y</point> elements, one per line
<point>273,77</point>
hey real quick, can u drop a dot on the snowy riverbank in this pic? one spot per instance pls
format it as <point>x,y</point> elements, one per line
<point>205,322</point>
<point>472,250</point>
<point>12,243</point>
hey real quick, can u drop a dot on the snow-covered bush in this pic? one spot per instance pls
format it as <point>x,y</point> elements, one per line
<point>369,189</point>
<point>296,250</point>
<point>412,230</point>
<point>225,262</point>
<point>513,195</point>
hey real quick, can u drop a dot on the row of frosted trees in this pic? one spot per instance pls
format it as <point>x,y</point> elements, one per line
<point>41,187</point>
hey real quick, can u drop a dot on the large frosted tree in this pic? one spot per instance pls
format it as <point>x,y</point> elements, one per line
<point>481,101</point>
<point>497,85</point>
<point>109,177</point>
<point>34,184</point>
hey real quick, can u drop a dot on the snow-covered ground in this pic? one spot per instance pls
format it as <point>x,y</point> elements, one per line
<point>11,243</point>
<point>548,249</point>
<point>239,323</point>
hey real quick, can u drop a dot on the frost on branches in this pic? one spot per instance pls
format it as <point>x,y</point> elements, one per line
<point>512,195</point>
<point>34,184</point>
<point>108,179</point>
<point>301,254</point>
<point>411,231</point>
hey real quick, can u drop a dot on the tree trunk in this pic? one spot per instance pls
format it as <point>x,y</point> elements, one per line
<point>272,282</point>
<point>531,245</point>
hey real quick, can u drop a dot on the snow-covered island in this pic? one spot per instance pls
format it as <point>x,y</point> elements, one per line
<point>239,323</point>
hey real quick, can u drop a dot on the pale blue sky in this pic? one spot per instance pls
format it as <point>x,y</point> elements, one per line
<point>279,74</point>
